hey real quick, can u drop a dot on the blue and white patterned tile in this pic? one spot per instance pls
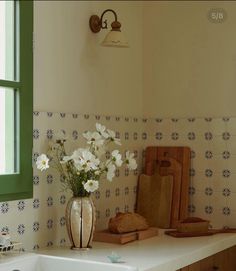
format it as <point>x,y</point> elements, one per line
<point>217,163</point>
<point>218,183</point>
<point>218,220</point>
<point>201,203</point>
<point>231,183</point>
<point>199,184</point>
<point>181,126</point>
<point>217,126</point>
<point>231,200</point>
<point>230,220</point>
<point>166,126</point>
<point>231,145</point>
<point>231,126</point>
<point>199,144</point>
<point>218,200</point>
<point>200,163</point>
<point>152,127</point>
<point>218,144</point>
<point>197,125</point>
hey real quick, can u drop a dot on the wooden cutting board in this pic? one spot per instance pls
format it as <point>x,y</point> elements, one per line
<point>182,156</point>
<point>170,166</point>
<point>196,234</point>
<point>187,234</point>
<point>154,199</point>
<point>123,238</point>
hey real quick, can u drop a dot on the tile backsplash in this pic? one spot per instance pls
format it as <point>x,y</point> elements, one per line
<point>40,221</point>
<point>213,163</point>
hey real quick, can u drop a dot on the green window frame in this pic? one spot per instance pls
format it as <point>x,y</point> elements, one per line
<point>20,185</point>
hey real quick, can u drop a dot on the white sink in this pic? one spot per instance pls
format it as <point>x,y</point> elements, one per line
<point>33,262</point>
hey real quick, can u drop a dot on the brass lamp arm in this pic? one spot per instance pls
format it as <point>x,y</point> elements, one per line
<point>105,21</point>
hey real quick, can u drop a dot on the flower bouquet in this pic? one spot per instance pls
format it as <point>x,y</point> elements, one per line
<point>83,170</point>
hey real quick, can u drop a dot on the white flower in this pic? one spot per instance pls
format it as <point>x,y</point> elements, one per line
<point>91,186</point>
<point>130,161</point>
<point>85,160</point>
<point>116,158</point>
<point>75,156</point>
<point>42,162</point>
<point>101,130</point>
<point>93,138</point>
<point>110,171</point>
<point>112,137</point>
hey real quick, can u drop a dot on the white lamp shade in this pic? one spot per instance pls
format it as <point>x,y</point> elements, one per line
<point>115,39</point>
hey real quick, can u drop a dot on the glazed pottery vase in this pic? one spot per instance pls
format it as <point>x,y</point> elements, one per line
<point>80,222</point>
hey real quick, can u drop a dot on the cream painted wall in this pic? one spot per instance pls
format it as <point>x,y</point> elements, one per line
<point>181,64</point>
<point>189,63</point>
<point>72,73</point>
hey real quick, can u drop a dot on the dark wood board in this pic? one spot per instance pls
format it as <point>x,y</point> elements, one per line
<point>197,234</point>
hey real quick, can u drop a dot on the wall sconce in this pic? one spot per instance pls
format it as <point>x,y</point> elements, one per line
<point>115,37</point>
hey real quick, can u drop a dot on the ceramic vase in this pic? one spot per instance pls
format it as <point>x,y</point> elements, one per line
<point>80,222</point>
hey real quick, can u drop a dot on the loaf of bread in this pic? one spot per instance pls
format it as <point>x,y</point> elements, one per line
<point>127,222</point>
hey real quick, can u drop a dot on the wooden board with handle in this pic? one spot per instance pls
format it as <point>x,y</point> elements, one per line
<point>174,168</point>
<point>154,199</point>
<point>182,156</point>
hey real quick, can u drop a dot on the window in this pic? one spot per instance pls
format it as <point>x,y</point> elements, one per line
<point>16,99</point>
